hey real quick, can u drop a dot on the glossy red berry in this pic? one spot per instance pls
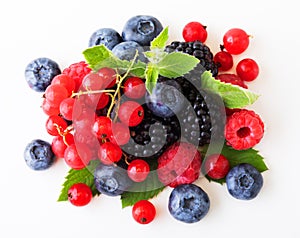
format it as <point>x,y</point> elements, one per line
<point>92,82</point>
<point>108,77</point>
<point>55,94</point>
<point>194,31</point>
<point>49,109</point>
<point>236,41</point>
<point>247,69</point>
<point>80,194</point>
<point>224,60</point>
<point>102,127</point>
<point>65,81</point>
<point>66,108</point>
<point>120,133</point>
<point>109,153</point>
<point>56,125</point>
<point>131,113</point>
<point>134,88</point>
<point>138,170</point>
<point>77,157</point>
<point>216,166</point>
<point>60,144</point>
<point>143,212</point>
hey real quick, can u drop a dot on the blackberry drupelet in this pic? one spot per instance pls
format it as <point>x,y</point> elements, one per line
<point>150,138</point>
<point>200,51</point>
<point>204,118</point>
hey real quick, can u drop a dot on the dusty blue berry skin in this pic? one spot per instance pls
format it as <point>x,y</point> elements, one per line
<point>106,36</point>
<point>188,203</point>
<point>141,29</point>
<point>38,155</point>
<point>127,51</point>
<point>40,72</point>
<point>166,99</point>
<point>244,182</point>
<point>111,180</point>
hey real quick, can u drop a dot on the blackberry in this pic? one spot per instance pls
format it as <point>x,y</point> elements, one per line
<point>151,137</point>
<point>201,52</point>
<point>204,118</point>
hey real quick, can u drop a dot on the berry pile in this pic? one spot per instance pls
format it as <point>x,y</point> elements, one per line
<point>138,124</point>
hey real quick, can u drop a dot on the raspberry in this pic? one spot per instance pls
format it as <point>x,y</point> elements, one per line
<point>244,129</point>
<point>179,164</point>
<point>77,72</point>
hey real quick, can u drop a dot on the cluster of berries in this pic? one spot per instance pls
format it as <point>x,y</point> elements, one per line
<point>111,118</point>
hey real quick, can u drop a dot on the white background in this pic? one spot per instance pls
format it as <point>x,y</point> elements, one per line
<point>60,30</point>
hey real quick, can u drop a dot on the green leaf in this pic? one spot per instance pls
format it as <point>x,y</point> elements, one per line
<point>235,157</point>
<point>176,64</point>
<point>161,40</point>
<point>151,75</point>
<point>145,190</point>
<point>99,56</point>
<point>85,175</point>
<point>232,95</point>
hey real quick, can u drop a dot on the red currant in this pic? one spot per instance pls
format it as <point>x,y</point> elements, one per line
<point>247,69</point>
<point>134,88</point>
<point>138,170</point>
<point>236,41</point>
<point>131,113</point>
<point>194,31</point>
<point>55,94</point>
<point>66,108</point>
<point>77,158</point>
<point>224,60</point>
<point>109,153</point>
<point>65,81</point>
<point>92,82</point>
<point>103,101</point>
<point>102,127</point>
<point>143,212</point>
<point>49,109</point>
<point>216,166</point>
<point>80,194</point>
<point>55,125</point>
<point>120,133</point>
<point>60,144</point>
<point>108,77</point>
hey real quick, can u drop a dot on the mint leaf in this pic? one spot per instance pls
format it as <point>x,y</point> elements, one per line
<point>99,56</point>
<point>147,189</point>
<point>85,175</point>
<point>161,40</point>
<point>151,75</point>
<point>235,157</point>
<point>232,95</point>
<point>176,64</point>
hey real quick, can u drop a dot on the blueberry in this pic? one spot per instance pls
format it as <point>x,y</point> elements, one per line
<point>40,72</point>
<point>106,36</point>
<point>166,98</point>
<point>141,29</point>
<point>244,182</point>
<point>111,180</point>
<point>188,203</point>
<point>38,155</point>
<point>127,50</point>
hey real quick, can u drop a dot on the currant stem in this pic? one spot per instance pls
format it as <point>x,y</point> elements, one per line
<point>93,92</point>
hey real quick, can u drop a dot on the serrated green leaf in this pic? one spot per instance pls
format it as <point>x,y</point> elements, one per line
<point>151,75</point>
<point>176,64</point>
<point>85,175</point>
<point>235,157</point>
<point>161,40</point>
<point>145,190</point>
<point>98,57</point>
<point>232,95</point>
